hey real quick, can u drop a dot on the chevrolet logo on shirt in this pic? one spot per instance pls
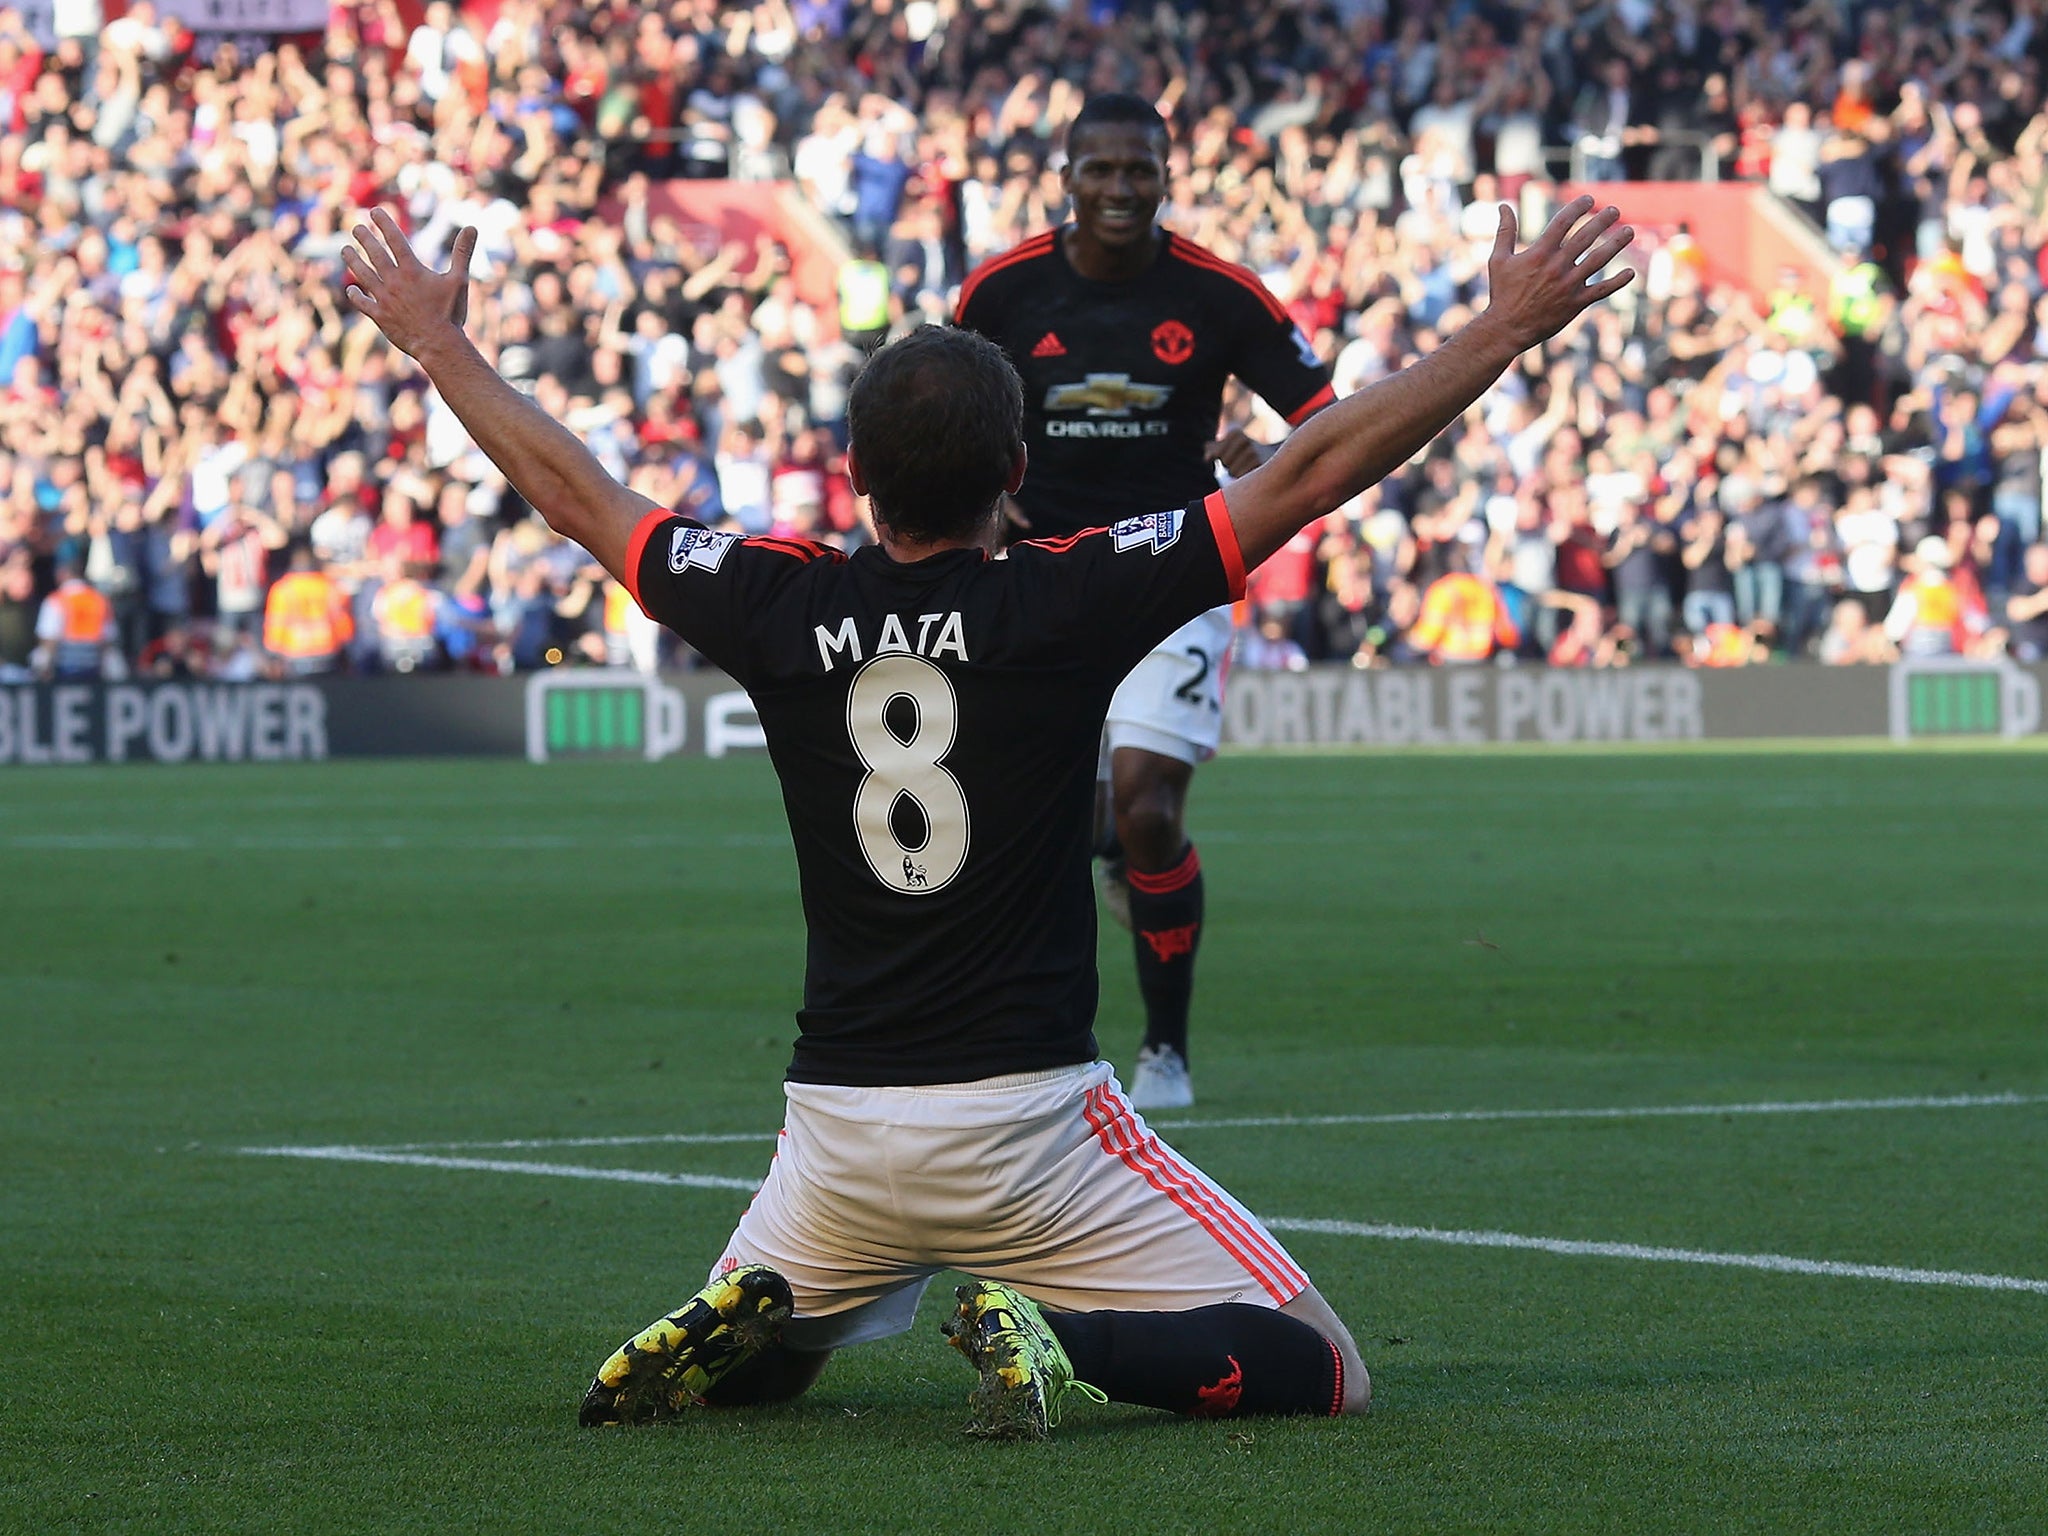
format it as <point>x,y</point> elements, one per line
<point>1107,394</point>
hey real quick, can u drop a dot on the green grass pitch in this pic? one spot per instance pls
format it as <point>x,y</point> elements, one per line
<point>197,961</point>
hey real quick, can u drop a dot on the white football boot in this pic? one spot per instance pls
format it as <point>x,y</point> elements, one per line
<point>1160,1079</point>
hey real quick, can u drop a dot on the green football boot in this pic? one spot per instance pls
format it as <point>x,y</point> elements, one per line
<point>1025,1373</point>
<point>674,1361</point>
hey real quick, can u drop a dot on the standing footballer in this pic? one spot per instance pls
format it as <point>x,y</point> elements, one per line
<point>1125,335</point>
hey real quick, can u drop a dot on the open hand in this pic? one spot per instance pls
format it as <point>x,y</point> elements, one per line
<point>409,302</point>
<point>1539,290</point>
<point>1237,453</point>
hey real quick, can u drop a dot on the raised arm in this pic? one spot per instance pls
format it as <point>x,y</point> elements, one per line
<point>1355,443</point>
<point>421,312</point>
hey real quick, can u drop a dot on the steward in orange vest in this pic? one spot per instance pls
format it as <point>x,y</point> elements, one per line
<point>306,621</point>
<point>1463,618</point>
<point>75,626</point>
<point>1927,616</point>
<point>403,611</point>
<point>618,640</point>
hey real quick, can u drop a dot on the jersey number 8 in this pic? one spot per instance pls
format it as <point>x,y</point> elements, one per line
<point>909,813</point>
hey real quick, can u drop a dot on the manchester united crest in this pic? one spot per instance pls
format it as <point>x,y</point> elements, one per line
<point>1172,343</point>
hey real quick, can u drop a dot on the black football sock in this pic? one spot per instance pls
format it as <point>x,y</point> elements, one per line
<point>1227,1361</point>
<point>777,1374</point>
<point>1166,926</point>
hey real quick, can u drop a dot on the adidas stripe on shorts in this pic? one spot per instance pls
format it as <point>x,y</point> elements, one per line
<point>1048,1181</point>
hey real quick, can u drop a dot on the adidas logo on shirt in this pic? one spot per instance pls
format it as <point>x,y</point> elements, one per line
<point>1049,346</point>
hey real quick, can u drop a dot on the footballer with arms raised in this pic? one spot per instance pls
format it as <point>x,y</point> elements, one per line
<point>934,715</point>
<point>1125,336</point>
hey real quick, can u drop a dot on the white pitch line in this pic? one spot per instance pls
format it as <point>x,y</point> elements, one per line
<point>500,1165</point>
<point>351,842</point>
<point>1636,1112</point>
<point>1253,1122</point>
<point>677,1139</point>
<point>1775,1263</point>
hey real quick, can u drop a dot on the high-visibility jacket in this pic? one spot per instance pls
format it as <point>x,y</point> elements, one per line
<point>404,610</point>
<point>1854,299</point>
<point>1725,645</point>
<point>306,616</point>
<point>863,296</point>
<point>1792,313</point>
<point>1927,617</point>
<point>1463,619</point>
<point>618,606</point>
<point>78,619</point>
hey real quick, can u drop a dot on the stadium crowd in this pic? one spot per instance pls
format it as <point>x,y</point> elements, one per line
<point>207,464</point>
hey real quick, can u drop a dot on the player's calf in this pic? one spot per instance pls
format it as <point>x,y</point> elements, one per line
<point>775,1375</point>
<point>1166,927</point>
<point>1228,1361</point>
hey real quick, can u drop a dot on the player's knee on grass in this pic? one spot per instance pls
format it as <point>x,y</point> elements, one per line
<point>775,1375</point>
<point>1312,1309</point>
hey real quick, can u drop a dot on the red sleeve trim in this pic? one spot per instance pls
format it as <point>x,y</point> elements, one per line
<point>1037,245</point>
<point>1062,545</point>
<point>636,551</point>
<point>1226,542</point>
<point>1196,256</point>
<point>1325,396</point>
<point>797,549</point>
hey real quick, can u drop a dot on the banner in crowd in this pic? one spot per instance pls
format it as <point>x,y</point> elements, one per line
<point>233,18</point>
<point>580,714</point>
<point>1472,706</point>
<point>603,714</point>
<point>236,16</point>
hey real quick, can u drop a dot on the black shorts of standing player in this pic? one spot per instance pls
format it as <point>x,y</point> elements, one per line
<point>1125,335</point>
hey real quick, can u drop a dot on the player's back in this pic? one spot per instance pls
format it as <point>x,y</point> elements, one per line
<point>934,726</point>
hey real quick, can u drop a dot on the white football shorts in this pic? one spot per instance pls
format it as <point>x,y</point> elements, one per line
<point>1172,701</point>
<point>1048,1181</point>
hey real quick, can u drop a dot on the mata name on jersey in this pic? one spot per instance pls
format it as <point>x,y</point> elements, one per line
<point>950,639</point>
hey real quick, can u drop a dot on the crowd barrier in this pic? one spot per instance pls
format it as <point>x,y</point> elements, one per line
<point>599,714</point>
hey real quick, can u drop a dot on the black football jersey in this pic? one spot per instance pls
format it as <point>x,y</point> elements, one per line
<point>935,728</point>
<point>1123,382</point>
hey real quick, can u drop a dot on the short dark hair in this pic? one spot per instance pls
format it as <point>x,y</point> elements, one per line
<point>1116,109</point>
<point>936,420</point>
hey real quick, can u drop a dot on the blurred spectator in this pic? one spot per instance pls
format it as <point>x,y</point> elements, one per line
<point>235,551</point>
<point>2026,610</point>
<point>1636,556</point>
<point>1351,613</point>
<point>75,629</point>
<point>1463,619</point>
<point>1268,647</point>
<point>306,621</point>
<point>1930,616</point>
<point>403,613</point>
<point>1852,639</point>
<point>1709,587</point>
<point>19,611</point>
